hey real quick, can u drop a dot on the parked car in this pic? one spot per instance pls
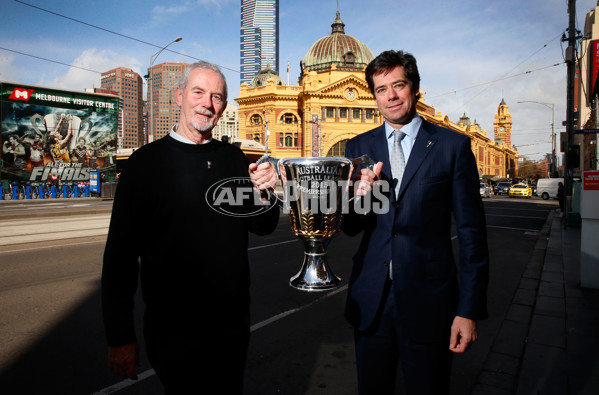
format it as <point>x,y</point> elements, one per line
<point>485,190</point>
<point>520,190</point>
<point>502,188</point>
<point>547,187</point>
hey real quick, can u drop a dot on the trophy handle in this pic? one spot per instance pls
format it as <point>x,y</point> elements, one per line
<point>363,160</point>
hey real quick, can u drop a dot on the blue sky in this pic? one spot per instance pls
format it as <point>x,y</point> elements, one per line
<point>471,53</point>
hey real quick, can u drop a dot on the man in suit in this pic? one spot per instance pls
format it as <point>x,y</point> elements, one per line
<point>407,300</point>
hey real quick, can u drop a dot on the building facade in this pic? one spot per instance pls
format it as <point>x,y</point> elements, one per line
<point>259,37</point>
<point>587,92</point>
<point>502,125</point>
<point>332,103</point>
<point>128,85</point>
<point>228,124</point>
<point>163,111</point>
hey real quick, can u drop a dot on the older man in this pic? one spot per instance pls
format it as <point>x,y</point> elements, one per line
<point>193,259</point>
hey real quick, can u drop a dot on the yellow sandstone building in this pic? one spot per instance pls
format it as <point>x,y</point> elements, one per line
<point>332,103</point>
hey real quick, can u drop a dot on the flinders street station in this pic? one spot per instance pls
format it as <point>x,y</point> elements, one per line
<point>332,103</point>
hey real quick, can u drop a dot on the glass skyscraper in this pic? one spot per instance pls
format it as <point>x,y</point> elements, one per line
<point>259,37</point>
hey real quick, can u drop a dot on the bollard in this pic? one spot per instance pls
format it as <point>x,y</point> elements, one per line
<point>28,192</point>
<point>75,191</point>
<point>65,191</point>
<point>1,192</point>
<point>15,193</point>
<point>53,192</point>
<point>86,191</point>
<point>40,195</point>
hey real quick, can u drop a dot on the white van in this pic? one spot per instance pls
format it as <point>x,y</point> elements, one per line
<point>547,187</point>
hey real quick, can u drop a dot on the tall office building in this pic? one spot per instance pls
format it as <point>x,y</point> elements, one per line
<point>259,37</point>
<point>128,85</point>
<point>228,124</point>
<point>163,111</point>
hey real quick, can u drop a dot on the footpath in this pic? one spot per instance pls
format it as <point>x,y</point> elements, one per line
<point>548,343</point>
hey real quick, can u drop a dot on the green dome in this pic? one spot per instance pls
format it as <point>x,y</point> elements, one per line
<point>346,52</point>
<point>262,78</point>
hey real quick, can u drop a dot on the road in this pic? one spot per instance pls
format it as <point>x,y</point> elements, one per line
<point>51,333</point>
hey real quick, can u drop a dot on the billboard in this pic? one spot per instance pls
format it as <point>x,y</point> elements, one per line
<point>48,133</point>
<point>593,88</point>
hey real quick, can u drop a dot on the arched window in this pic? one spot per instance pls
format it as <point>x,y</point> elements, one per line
<point>338,150</point>
<point>256,119</point>
<point>288,119</point>
<point>349,58</point>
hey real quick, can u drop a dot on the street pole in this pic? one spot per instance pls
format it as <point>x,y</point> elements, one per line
<point>570,119</point>
<point>152,59</point>
<point>552,107</point>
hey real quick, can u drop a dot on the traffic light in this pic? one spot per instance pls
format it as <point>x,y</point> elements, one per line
<point>574,157</point>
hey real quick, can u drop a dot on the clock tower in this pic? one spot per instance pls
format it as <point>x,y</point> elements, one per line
<point>502,125</point>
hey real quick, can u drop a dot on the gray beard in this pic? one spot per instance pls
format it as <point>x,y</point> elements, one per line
<point>202,128</point>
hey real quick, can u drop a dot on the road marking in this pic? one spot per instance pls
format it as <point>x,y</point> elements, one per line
<point>284,314</point>
<point>4,250</point>
<point>508,228</point>
<point>126,383</point>
<point>271,245</point>
<point>514,216</point>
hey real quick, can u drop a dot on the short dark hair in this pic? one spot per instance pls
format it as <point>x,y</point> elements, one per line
<point>387,61</point>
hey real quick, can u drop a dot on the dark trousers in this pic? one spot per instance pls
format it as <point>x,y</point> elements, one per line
<point>202,362</point>
<point>426,367</point>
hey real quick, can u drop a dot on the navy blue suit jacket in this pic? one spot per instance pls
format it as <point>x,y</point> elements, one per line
<point>440,179</point>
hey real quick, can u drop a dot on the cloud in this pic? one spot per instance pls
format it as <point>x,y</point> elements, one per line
<point>88,67</point>
<point>218,4</point>
<point>8,72</point>
<point>160,11</point>
<point>163,13</point>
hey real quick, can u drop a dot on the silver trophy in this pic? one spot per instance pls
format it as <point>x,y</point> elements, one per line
<point>314,191</point>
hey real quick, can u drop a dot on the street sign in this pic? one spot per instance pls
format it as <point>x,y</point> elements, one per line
<point>586,131</point>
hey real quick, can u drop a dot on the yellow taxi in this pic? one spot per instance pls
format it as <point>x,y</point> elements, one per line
<point>520,190</point>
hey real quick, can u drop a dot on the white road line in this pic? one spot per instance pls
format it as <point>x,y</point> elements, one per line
<point>508,228</point>
<point>61,245</point>
<point>293,311</point>
<point>126,383</point>
<point>273,244</point>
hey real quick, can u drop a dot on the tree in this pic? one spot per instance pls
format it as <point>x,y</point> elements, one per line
<point>529,170</point>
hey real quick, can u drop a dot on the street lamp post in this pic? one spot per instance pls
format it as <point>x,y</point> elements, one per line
<point>552,107</point>
<point>152,59</point>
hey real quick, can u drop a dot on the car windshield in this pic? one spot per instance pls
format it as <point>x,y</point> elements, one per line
<point>482,185</point>
<point>520,186</point>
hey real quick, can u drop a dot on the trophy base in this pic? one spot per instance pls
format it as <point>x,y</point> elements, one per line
<point>315,274</point>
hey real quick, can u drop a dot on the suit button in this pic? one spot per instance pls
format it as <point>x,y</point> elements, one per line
<point>395,235</point>
<point>386,263</point>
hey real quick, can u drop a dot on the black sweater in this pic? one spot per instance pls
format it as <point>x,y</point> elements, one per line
<point>193,259</point>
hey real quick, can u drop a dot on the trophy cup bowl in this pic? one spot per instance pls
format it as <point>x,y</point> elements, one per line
<point>314,188</point>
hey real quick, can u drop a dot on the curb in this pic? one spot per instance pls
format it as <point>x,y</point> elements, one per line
<point>501,371</point>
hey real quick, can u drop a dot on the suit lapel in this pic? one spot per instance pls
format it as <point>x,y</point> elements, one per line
<point>380,150</point>
<point>425,141</point>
